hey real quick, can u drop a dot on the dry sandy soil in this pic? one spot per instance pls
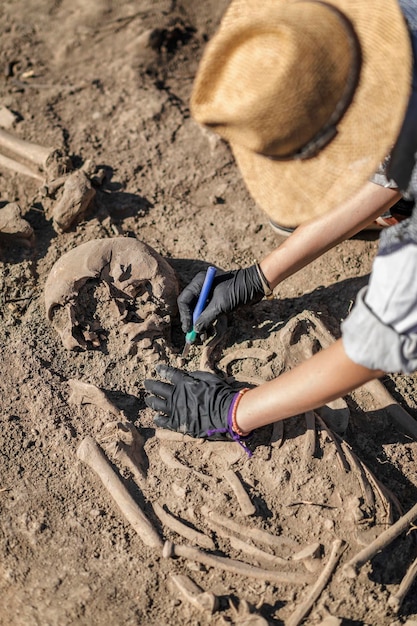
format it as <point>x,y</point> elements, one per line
<point>110,81</point>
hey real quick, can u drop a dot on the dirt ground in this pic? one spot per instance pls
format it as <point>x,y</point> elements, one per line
<point>110,81</point>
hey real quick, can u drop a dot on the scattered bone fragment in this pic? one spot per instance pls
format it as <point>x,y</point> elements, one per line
<point>396,599</point>
<point>12,225</point>
<point>256,534</point>
<point>87,393</point>
<point>311,551</point>
<point>317,588</point>
<point>77,195</point>
<point>350,569</point>
<point>204,600</point>
<point>139,284</point>
<point>92,455</point>
<point>246,505</point>
<point>126,446</point>
<point>260,555</point>
<point>232,565</point>
<point>310,556</point>
<point>310,441</point>
<point>243,615</point>
<point>173,523</point>
<point>7,117</point>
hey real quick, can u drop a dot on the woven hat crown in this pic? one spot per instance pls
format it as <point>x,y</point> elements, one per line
<point>270,83</point>
<point>311,95</point>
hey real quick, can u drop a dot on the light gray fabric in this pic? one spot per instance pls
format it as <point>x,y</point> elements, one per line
<point>381,331</point>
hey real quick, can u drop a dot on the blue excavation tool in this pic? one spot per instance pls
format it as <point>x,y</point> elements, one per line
<point>191,336</point>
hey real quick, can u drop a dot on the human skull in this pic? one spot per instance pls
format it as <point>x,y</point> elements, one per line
<point>116,290</point>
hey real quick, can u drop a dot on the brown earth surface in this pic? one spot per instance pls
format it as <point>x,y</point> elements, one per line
<point>110,82</point>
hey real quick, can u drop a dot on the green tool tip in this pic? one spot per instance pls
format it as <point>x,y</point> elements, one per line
<point>191,336</point>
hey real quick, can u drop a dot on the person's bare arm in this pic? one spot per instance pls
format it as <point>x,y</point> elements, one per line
<point>327,375</point>
<point>313,238</point>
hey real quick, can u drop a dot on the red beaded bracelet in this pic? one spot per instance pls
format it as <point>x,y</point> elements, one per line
<point>235,427</point>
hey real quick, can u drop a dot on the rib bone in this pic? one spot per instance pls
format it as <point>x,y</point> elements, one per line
<point>231,565</point>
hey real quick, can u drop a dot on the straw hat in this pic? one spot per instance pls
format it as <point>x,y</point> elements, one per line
<point>311,96</point>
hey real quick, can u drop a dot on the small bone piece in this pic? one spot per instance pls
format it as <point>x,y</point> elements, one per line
<point>246,506</point>
<point>256,534</point>
<point>396,599</point>
<point>314,593</point>
<point>204,600</point>
<point>193,535</point>
<point>231,565</point>
<point>92,455</point>
<point>310,556</point>
<point>86,393</point>
<point>383,540</point>
<point>77,195</point>
<point>12,224</point>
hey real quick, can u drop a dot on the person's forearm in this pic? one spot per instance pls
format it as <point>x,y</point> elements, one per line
<point>327,375</point>
<point>315,237</point>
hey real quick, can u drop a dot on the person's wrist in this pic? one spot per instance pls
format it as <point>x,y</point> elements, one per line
<point>266,287</point>
<point>233,414</point>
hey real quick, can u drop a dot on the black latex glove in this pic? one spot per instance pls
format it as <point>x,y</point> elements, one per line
<point>191,403</point>
<point>230,290</point>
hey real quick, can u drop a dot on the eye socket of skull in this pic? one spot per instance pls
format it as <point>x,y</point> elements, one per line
<point>108,283</point>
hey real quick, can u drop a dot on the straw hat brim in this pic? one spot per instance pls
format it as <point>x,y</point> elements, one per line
<point>292,191</point>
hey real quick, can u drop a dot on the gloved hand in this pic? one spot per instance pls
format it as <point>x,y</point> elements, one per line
<point>195,404</point>
<point>230,290</point>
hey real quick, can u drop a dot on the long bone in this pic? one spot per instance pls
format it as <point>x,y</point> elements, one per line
<point>178,527</point>
<point>396,599</point>
<point>313,594</point>
<point>92,455</point>
<point>231,565</point>
<point>26,150</point>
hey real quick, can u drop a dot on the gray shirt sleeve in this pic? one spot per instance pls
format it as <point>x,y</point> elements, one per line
<point>381,331</point>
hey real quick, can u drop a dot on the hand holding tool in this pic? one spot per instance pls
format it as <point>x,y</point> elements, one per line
<point>191,336</point>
